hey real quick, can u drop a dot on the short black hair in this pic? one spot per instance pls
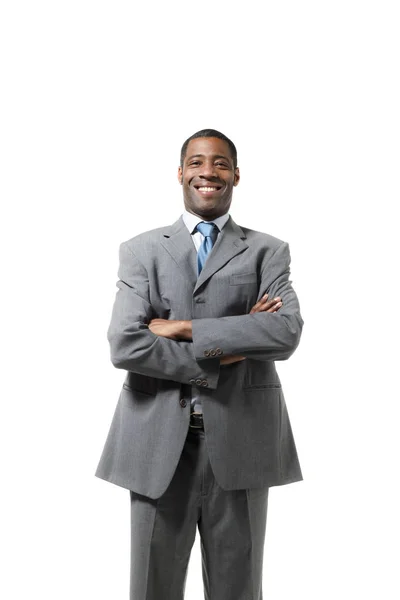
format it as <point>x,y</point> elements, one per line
<point>210,133</point>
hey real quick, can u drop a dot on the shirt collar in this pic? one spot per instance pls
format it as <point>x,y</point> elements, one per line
<point>192,220</point>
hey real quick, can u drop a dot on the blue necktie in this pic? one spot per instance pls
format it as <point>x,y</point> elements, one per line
<point>210,232</point>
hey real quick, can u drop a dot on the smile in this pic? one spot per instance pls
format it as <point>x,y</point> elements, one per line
<point>207,189</point>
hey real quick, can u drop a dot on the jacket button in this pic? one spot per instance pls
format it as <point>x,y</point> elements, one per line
<point>218,351</point>
<point>204,383</point>
<point>198,381</point>
<point>206,353</point>
<point>192,381</point>
<point>182,402</point>
<point>213,352</point>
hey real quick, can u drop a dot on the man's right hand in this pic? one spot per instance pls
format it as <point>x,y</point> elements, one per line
<point>263,305</point>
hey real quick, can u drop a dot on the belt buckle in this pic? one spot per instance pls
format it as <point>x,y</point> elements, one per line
<point>198,417</point>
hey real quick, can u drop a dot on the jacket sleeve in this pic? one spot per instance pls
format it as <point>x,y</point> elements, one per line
<point>134,347</point>
<point>260,336</point>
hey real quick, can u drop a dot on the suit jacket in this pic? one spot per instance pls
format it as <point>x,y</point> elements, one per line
<point>247,428</point>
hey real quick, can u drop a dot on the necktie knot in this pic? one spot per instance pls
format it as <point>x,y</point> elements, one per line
<point>208,229</point>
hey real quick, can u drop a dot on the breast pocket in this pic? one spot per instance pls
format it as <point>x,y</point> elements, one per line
<point>243,278</point>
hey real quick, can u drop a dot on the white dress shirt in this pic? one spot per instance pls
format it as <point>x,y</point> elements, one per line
<point>191,221</point>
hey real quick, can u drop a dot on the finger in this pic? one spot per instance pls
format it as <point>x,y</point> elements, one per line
<point>258,304</point>
<point>275,308</point>
<point>273,302</point>
<point>276,303</point>
<point>263,304</point>
<point>270,306</point>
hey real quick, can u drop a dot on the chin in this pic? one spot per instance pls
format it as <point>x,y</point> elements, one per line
<point>206,203</point>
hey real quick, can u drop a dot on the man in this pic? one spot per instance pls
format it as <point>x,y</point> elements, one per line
<point>201,429</point>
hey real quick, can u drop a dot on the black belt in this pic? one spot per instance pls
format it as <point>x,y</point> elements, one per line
<point>196,421</point>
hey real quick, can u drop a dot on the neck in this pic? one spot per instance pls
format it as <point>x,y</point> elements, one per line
<point>204,217</point>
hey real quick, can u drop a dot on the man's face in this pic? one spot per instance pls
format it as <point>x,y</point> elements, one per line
<point>208,164</point>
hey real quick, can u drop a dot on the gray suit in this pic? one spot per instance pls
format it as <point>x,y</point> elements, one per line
<point>247,427</point>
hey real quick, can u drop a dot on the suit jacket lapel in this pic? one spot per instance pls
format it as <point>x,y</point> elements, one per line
<point>179,244</point>
<point>230,242</point>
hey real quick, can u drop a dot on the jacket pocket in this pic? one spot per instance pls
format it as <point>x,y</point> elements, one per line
<point>136,391</point>
<point>262,386</point>
<point>243,278</point>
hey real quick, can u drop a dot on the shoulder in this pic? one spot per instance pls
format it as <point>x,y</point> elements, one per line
<point>266,240</point>
<point>269,248</point>
<point>145,239</point>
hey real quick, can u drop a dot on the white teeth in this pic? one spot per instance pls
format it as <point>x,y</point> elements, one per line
<point>207,189</point>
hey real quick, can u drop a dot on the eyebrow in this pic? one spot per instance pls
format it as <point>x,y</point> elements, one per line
<point>202,155</point>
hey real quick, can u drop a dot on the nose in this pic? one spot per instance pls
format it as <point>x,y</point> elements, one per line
<point>208,170</point>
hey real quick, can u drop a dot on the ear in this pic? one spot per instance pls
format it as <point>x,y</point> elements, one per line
<point>236,176</point>
<point>180,175</point>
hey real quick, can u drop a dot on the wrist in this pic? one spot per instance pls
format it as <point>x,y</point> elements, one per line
<point>186,329</point>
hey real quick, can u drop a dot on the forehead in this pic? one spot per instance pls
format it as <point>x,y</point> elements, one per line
<point>208,147</point>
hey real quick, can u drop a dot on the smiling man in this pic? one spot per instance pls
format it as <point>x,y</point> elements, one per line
<point>201,430</point>
<point>208,173</point>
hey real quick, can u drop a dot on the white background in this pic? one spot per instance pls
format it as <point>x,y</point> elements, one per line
<point>96,101</point>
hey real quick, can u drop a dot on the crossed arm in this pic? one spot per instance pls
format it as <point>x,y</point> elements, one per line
<point>171,349</point>
<point>183,330</point>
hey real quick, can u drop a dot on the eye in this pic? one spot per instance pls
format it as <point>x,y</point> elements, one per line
<point>193,163</point>
<point>221,164</point>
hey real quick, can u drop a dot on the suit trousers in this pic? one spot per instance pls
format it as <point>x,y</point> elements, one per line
<point>231,525</point>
